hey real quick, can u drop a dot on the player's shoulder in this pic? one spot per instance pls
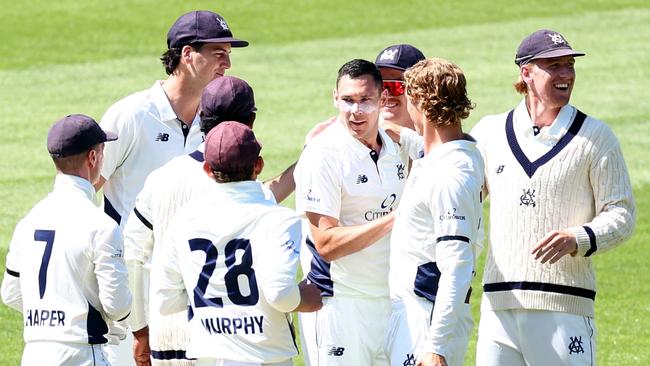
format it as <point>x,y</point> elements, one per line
<point>489,125</point>
<point>130,108</point>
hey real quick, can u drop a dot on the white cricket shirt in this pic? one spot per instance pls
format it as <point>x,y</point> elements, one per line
<point>164,192</point>
<point>150,134</point>
<point>336,176</point>
<point>234,256</point>
<point>435,234</point>
<point>65,270</point>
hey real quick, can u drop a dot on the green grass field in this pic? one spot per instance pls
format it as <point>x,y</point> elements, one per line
<point>79,57</point>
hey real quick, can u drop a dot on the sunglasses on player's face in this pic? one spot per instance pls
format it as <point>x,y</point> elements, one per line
<point>395,87</point>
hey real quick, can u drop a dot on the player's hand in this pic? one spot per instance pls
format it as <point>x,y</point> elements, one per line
<point>318,129</point>
<point>141,349</point>
<point>554,246</point>
<point>310,297</point>
<point>432,359</point>
<point>392,129</point>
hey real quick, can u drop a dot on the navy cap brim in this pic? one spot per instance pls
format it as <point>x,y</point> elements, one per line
<point>391,67</point>
<point>558,52</point>
<point>234,42</point>
<point>110,136</point>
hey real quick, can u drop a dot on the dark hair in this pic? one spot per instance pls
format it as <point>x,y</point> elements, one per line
<point>210,122</point>
<point>172,57</point>
<point>357,68</point>
<point>240,175</point>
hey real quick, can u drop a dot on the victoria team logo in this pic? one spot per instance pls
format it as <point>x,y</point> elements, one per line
<point>528,198</point>
<point>575,345</point>
<point>388,54</point>
<point>400,171</point>
<point>223,24</point>
<point>557,38</point>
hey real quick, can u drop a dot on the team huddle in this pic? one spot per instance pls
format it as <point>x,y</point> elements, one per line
<point>194,262</point>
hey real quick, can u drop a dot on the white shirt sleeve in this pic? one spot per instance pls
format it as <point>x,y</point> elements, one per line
<point>111,273</point>
<point>411,142</point>
<point>138,248</point>
<point>11,292</point>
<point>456,210</point>
<point>117,120</point>
<point>277,275</point>
<point>319,182</point>
<point>168,293</point>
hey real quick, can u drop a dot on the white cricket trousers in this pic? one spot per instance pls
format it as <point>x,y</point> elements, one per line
<point>44,353</point>
<point>408,326</point>
<point>520,337</point>
<point>350,331</point>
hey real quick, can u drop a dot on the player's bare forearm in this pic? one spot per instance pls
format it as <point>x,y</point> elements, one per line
<point>554,246</point>
<point>282,185</point>
<point>392,129</point>
<point>333,241</point>
<point>141,349</point>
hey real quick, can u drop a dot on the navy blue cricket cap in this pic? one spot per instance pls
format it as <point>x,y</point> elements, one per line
<point>75,134</point>
<point>399,56</point>
<point>544,43</point>
<point>228,98</point>
<point>201,26</point>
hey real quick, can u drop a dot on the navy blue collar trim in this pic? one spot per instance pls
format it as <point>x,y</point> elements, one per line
<point>530,167</point>
<point>198,156</point>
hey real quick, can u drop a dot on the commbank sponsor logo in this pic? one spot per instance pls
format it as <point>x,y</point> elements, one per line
<point>385,208</point>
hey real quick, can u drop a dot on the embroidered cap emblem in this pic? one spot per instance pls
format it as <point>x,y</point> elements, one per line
<point>388,54</point>
<point>556,38</point>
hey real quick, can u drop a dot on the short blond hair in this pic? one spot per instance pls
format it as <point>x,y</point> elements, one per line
<point>438,88</point>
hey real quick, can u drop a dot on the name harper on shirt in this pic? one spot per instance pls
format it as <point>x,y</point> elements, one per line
<point>247,325</point>
<point>44,318</point>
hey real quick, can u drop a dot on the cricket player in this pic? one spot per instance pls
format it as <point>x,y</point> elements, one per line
<point>65,270</point>
<point>391,61</point>
<point>160,123</point>
<point>237,253</point>
<point>165,191</point>
<point>349,179</point>
<point>435,236</point>
<point>560,194</point>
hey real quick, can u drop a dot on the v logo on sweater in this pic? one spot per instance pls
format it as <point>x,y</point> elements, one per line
<point>530,167</point>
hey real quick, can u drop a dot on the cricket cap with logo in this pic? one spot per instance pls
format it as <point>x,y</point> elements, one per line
<point>231,147</point>
<point>74,134</point>
<point>399,56</point>
<point>544,43</point>
<point>201,26</point>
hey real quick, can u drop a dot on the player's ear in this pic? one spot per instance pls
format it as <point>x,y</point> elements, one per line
<point>259,166</point>
<point>186,53</point>
<point>335,97</point>
<point>524,71</point>
<point>383,97</point>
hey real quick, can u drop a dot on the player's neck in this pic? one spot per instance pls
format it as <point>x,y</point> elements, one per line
<point>541,115</point>
<point>435,136</point>
<point>183,97</point>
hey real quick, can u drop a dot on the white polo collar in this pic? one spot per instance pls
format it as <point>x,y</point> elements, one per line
<point>523,125</point>
<point>361,150</point>
<point>74,183</point>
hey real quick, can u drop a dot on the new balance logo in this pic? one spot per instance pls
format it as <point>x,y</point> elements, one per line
<point>336,351</point>
<point>500,169</point>
<point>410,360</point>
<point>362,179</point>
<point>162,137</point>
<point>575,346</point>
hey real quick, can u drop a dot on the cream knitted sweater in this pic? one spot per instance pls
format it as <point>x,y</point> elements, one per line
<point>580,185</point>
